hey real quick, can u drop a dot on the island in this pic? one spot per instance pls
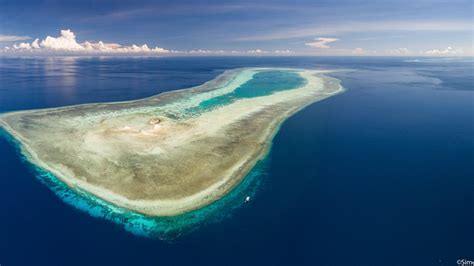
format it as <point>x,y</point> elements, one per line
<point>174,152</point>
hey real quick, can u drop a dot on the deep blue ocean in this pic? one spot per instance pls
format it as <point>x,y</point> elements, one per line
<point>382,174</point>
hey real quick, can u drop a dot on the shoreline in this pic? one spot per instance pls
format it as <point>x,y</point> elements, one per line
<point>165,228</point>
<point>153,208</point>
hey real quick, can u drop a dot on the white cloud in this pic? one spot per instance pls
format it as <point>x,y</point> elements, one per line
<point>13,38</point>
<point>321,43</point>
<point>67,43</point>
<point>257,51</point>
<point>399,51</point>
<point>22,46</point>
<point>200,51</point>
<point>362,51</point>
<point>35,44</point>
<point>283,52</point>
<point>447,51</point>
<point>359,51</point>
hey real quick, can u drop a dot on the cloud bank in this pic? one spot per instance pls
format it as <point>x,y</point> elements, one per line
<point>256,52</point>
<point>321,43</point>
<point>67,43</point>
<point>447,51</point>
<point>399,51</point>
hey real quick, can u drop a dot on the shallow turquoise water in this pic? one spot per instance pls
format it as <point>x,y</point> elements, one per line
<point>262,84</point>
<point>166,228</point>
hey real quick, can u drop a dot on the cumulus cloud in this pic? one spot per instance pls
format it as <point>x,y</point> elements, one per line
<point>321,43</point>
<point>447,51</point>
<point>22,46</point>
<point>67,43</point>
<point>13,38</point>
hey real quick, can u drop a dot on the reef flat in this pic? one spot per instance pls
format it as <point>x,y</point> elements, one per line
<point>171,153</point>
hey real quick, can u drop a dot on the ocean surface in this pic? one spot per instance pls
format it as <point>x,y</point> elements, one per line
<point>381,174</point>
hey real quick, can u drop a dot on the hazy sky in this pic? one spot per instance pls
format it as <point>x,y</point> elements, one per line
<point>416,27</point>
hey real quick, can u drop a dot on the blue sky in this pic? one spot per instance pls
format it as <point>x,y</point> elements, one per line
<point>249,27</point>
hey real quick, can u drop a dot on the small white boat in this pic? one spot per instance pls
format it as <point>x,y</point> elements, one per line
<point>247,199</point>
